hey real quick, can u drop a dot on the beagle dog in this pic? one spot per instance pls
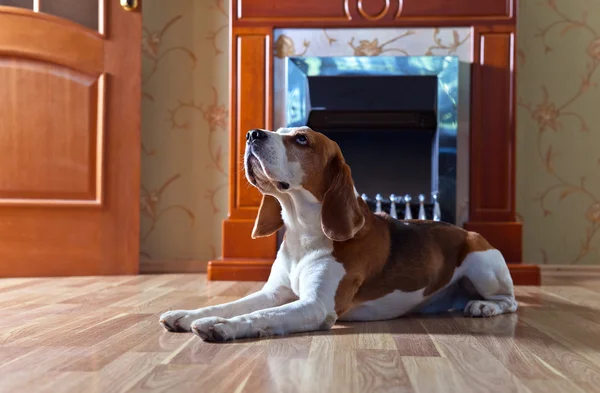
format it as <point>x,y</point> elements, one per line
<point>340,261</point>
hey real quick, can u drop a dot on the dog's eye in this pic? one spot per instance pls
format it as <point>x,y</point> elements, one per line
<point>301,139</point>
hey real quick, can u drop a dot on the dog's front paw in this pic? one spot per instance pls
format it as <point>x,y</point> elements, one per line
<point>214,329</point>
<point>178,320</point>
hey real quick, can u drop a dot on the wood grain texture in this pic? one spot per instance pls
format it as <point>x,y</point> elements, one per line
<point>250,109</point>
<point>364,12</point>
<point>39,167</point>
<point>263,10</point>
<point>70,144</point>
<point>240,269</point>
<point>493,127</point>
<point>456,9</point>
<point>102,334</point>
<point>238,242</point>
<point>42,36</point>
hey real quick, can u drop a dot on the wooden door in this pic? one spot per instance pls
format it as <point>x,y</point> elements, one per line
<point>69,137</point>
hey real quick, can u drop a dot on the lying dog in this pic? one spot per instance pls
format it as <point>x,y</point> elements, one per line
<point>340,261</point>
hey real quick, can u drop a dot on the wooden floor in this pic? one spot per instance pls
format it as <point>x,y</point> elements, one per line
<point>102,335</point>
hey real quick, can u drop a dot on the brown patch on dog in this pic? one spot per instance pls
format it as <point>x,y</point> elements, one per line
<point>268,220</point>
<point>406,255</point>
<point>363,257</point>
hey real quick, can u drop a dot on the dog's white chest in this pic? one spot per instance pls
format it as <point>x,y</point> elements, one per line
<point>308,265</point>
<point>303,256</point>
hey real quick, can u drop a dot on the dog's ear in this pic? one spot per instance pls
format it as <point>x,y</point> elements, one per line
<point>268,220</point>
<point>341,214</point>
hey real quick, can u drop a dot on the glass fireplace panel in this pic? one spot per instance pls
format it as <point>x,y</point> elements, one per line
<point>395,119</point>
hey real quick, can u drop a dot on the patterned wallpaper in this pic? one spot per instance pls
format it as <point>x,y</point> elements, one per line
<point>185,120</point>
<point>184,128</point>
<point>558,160</point>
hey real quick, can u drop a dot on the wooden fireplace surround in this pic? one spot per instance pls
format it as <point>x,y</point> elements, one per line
<point>492,144</point>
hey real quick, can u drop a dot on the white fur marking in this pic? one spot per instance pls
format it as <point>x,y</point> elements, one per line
<point>390,306</point>
<point>304,270</point>
<point>489,274</point>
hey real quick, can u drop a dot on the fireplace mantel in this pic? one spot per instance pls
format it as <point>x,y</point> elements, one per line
<point>492,112</point>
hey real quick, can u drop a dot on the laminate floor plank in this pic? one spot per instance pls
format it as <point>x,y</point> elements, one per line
<point>101,334</point>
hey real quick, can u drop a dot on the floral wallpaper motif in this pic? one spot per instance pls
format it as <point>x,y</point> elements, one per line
<point>184,129</point>
<point>374,48</point>
<point>185,120</point>
<point>558,160</point>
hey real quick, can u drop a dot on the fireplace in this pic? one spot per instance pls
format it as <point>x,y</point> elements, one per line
<point>394,118</point>
<point>458,140</point>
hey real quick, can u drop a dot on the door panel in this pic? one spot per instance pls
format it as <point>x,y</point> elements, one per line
<point>69,140</point>
<point>53,169</point>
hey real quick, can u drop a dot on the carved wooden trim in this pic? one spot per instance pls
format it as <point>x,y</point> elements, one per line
<point>367,16</point>
<point>473,10</point>
<point>251,77</point>
<point>346,13</point>
<point>492,157</point>
<point>88,192</point>
<point>281,14</point>
<point>238,242</point>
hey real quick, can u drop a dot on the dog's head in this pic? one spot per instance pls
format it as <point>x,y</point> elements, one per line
<point>295,159</point>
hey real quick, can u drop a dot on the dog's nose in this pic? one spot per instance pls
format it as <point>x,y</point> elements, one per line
<point>255,134</point>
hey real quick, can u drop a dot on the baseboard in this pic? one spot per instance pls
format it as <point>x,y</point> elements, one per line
<point>523,274</point>
<point>239,269</point>
<point>570,270</point>
<point>172,266</point>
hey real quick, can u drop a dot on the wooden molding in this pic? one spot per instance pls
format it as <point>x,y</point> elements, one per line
<point>525,274</point>
<point>238,269</point>
<point>172,266</point>
<point>569,270</point>
<point>363,13</point>
<point>493,137</point>
<point>238,242</point>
